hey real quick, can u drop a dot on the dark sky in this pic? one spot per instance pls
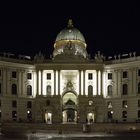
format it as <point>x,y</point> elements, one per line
<point>111,27</point>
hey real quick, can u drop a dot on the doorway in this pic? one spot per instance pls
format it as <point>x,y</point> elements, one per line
<point>48,118</point>
<point>69,116</point>
<point>90,118</point>
<point>69,107</point>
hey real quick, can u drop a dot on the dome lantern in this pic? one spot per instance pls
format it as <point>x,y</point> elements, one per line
<point>70,23</point>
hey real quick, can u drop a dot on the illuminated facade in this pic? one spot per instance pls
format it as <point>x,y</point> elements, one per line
<point>70,87</point>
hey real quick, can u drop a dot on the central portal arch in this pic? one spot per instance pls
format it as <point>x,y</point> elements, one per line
<point>69,101</point>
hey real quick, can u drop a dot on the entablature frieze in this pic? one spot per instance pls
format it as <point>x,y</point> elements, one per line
<point>70,67</point>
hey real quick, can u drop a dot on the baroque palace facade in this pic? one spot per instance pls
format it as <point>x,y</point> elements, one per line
<point>70,87</point>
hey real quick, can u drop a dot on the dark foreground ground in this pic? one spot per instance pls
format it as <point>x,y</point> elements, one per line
<point>20,131</point>
<point>76,136</point>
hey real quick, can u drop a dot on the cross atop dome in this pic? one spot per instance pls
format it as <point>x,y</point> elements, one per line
<point>70,23</point>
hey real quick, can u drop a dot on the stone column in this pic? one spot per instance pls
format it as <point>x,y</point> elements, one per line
<point>22,82</point>
<point>83,82</point>
<point>58,82</point>
<point>54,82</point>
<point>134,87</point>
<point>41,82</point>
<point>101,83</point>
<point>97,83</point>
<point>37,90</point>
<point>19,82</point>
<point>130,82</point>
<point>115,81</point>
<point>8,85</point>
<point>119,83</point>
<point>33,85</point>
<point>79,82</point>
<point>4,83</point>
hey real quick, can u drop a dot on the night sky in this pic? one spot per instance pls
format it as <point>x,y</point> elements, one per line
<point>109,27</point>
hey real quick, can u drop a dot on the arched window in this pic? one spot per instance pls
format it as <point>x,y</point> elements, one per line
<point>109,90</point>
<point>110,115</point>
<point>14,89</point>
<point>90,90</point>
<point>125,89</point>
<point>48,90</point>
<point>29,115</point>
<point>29,90</point>
<point>139,88</point>
<point>14,115</point>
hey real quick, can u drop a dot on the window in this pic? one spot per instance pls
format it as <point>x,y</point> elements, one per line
<point>29,104</point>
<point>125,89</point>
<point>48,90</point>
<point>109,90</point>
<point>47,102</point>
<point>90,90</point>
<point>109,76</point>
<point>124,114</point>
<point>138,72</point>
<point>0,88</point>
<point>14,74</point>
<point>14,104</point>
<point>48,76</point>
<point>125,74</point>
<point>138,113</point>
<point>90,102</point>
<point>14,115</point>
<point>109,104</point>
<point>29,76</point>
<point>139,88</point>
<point>138,103</point>
<point>89,76</point>
<point>124,104</point>
<point>14,89</point>
<point>29,90</point>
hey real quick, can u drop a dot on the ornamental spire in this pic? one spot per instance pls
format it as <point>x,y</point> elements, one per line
<point>70,23</point>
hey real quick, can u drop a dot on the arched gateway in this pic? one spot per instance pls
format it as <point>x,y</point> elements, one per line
<point>69,110</point>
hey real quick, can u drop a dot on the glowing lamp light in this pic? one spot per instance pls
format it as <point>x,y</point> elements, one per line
<point>126,106</point>
<point>28,112</point>
<point>111,112</point>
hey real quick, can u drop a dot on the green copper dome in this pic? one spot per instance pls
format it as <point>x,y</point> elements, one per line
<point>70,34</point>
